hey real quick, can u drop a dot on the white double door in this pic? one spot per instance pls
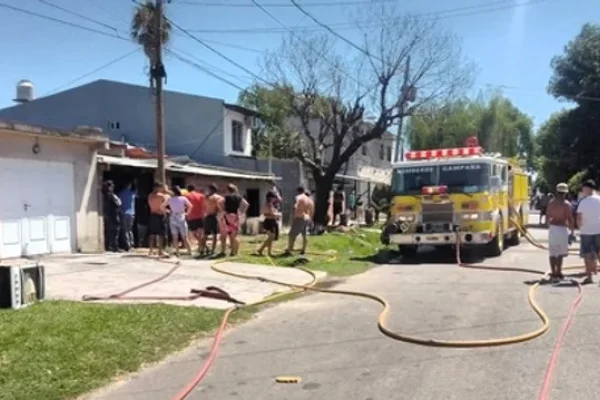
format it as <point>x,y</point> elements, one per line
<point>36,207</point>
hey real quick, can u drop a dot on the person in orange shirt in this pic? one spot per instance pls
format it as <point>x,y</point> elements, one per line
<point>196,217</point>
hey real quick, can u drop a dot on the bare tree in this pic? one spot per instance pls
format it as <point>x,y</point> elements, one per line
<point>336,102</point>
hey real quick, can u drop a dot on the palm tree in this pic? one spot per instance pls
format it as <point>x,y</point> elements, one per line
<point>145,26</point>
<point>144,29</point>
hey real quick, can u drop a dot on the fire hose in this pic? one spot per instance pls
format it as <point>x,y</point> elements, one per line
<point>381,320</point>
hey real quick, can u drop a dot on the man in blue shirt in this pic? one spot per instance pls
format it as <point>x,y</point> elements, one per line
<point>127,196</point>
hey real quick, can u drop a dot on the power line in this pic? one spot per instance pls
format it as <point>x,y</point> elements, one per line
<point>457,12</point>
<point>217,52</point>
<point>306,43</point>
<point>224,44</point>
<point>203,69</point>
<point>334,33</point>
<point>278,4</point>
<point>63,22</point>
<point>108,12</point>
<point>92,72</point>
<point>226,113</point>
<point>211,67</point>
<point>427,16</point>
<point>79,15</point>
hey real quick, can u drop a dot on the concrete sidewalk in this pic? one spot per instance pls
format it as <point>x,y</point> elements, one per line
<point>71,277</point>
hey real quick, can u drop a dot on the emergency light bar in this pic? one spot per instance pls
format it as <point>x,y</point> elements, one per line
<point>440,153</point>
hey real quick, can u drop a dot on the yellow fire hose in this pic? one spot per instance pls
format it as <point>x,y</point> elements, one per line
<point>383,316</point>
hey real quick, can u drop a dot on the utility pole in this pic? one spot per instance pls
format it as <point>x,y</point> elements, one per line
<point>158,74</point>
<point>407,95</point>
<point>270,159</point>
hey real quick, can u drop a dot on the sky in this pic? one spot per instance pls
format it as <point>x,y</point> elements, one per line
<point>511,41</point>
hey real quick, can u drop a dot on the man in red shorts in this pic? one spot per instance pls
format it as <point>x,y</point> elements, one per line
<point>196,217</point>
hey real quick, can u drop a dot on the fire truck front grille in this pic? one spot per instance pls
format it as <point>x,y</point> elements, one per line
<point>438,213</point>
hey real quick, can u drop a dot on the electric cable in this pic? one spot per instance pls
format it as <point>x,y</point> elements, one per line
<point>203,69</point>
<point>430,16</point>
<point>307,44</point>
<point>92,72</point>
<point>95,21</point>
<point>63,22</point>
<point>278,4</point>
<point>217,52</point>
<point>450,13</point>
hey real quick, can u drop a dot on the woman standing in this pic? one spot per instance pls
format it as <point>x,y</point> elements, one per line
<point>179,207</point>
<point>270,224</point>
<point>235,207</point>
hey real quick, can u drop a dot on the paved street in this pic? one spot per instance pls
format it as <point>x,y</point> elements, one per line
<point>333,344</point>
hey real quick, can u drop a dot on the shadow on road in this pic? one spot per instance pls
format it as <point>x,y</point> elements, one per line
<point>424,256</point>
<point>537,226</point>
<point>568,282</point>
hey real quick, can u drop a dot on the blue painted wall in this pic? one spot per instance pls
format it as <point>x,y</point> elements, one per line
<point>189,119</point>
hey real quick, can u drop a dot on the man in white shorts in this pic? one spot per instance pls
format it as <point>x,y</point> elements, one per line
<point>560,220</point>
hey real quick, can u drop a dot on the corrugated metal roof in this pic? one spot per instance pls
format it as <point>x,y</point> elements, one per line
<point>186,169</point>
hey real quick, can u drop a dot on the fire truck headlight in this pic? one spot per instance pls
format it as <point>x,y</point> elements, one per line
<point>470,216</point>
<point>406,218</point>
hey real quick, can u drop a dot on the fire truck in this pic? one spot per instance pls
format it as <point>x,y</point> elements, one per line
<point>445,197</point>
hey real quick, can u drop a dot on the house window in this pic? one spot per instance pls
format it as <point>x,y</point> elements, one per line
<point>389,153</point>
<point>363,150</point>
<point>382,152</point>
<point>114,125</point>
<point>237,136</point>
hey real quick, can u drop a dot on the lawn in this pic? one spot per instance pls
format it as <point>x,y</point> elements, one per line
<point>335,253</point>
<point>57,350</point>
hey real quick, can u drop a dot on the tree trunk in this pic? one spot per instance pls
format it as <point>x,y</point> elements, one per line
<point>323,188</point>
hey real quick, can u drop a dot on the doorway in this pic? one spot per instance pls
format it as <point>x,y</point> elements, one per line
<point>253,199</point>
<point>178,181</point>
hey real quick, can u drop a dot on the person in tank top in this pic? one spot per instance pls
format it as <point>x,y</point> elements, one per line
<point>234,207</point>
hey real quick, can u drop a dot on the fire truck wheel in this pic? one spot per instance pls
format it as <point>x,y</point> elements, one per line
<point>407,250</point>
<point>496,246</point>
<point>514,238</point>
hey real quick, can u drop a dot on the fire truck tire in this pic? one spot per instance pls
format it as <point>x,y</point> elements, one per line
<point>514,239</point>
<point>496,246</point>
<point>408,250</point>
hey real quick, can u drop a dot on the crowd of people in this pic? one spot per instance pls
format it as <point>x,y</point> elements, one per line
<point>199,216</point>
<point>563,217</point>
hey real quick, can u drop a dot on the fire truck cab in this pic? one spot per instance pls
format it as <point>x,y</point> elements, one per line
<point>446,197</point>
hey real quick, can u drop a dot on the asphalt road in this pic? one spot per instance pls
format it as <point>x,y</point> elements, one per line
<point>333,344</point>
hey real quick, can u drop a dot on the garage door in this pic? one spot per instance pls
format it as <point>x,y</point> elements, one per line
<point>37,207</point>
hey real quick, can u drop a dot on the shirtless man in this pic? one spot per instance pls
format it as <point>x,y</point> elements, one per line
<point>214,208</point>
<point>157,222</point>
<point>302,214</point>
<point>560,220</point>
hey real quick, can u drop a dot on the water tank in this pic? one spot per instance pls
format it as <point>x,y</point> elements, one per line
<point>24,91</point>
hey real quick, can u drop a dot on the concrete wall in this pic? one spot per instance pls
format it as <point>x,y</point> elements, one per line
<point>86,229</point>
